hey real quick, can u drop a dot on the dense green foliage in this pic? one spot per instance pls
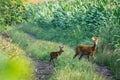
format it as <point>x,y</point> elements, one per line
<point>84,18</point>
<point>12,12</point>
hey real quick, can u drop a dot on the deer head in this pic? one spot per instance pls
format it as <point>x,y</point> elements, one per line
<point>61,48</point>
<point>95,40</point>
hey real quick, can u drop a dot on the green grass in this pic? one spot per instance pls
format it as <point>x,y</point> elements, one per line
<point>77,70</point>
<point>14,65</point>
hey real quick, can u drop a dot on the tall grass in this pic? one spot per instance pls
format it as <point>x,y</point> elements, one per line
<point>68,68</point>
<point>14,65</point>
<point>111,59</point>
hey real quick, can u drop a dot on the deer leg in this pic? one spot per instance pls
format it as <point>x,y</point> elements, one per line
<point>88,57</point>
<point>75,55</point>
<point>94,58</point>
<point>80,56</point>
<point>53,63</point>
<point>50,60</point>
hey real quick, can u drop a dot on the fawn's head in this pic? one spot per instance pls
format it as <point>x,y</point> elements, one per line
<point>95,40</point>
<point>61,48</point>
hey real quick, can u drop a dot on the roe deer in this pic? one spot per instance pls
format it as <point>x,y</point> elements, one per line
<point>54,55</point>
<point>88,50</point>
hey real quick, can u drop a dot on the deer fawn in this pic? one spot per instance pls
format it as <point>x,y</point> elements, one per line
<point>88,50</point>
<point>54,55</point>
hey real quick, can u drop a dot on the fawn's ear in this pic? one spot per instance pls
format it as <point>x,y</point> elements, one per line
<point>60,46</point>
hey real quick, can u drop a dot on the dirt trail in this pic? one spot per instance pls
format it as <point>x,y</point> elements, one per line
<point>43,70</point>
<point>103,70</point>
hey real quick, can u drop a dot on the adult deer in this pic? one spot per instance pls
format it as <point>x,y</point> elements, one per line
<point>88,50</point>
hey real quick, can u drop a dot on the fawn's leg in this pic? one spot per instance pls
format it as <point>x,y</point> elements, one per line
<point>53,63</point>
<point>50,61</point>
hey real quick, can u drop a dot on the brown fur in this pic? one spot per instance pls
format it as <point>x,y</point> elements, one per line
<point>54,55</point>
<point>88,50</point>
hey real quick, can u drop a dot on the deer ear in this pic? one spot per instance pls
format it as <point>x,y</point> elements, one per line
<point>98,38</point>
<point>60,46</point>
<point>93,38</point>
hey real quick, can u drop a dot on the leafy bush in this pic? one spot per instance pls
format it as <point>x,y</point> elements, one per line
<point>12,12</point>
<point>86,18</point>
<point>62,19</point>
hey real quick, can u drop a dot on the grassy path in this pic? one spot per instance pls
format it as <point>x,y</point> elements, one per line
<point>43,69</point>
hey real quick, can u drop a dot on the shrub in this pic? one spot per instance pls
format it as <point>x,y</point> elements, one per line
<point>12,12</point>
